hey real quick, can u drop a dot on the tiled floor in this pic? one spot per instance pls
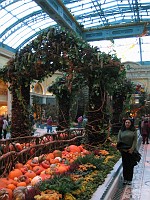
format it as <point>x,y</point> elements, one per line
<point>140,188</point>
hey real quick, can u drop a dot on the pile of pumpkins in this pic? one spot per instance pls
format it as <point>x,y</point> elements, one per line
<point>26,176</point>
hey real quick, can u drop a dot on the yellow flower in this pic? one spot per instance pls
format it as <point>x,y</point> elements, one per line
<point>107,158</point>
<point>69,196</point>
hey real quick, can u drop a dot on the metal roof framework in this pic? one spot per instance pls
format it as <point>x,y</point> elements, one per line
<point>22,20</point>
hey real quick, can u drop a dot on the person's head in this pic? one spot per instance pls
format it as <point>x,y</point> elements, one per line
<point>128,124</point>
<point>143,117</point>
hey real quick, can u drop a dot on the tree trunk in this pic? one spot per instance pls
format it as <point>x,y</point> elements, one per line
<point>117,105</point>
<point>20,123</point>
<point>97,118</point>
<point>64,111</point>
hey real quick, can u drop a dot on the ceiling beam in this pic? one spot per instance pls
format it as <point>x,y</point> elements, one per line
<point>59,13</point>
<point>116,32</point>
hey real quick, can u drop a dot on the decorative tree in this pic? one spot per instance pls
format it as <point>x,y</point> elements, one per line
<point>102,74</point>
<point>61,50</point>
<point>63,95</point>
<point>51,51</point>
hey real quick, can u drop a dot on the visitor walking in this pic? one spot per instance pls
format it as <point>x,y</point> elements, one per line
<point>145,131</point>
<point>1,126</point>
<point>49,124</point>
<point>85,120</point>
<point>80,120</point>
<point>127,143</point>
<point>140,125</point>
<point>5,127</point>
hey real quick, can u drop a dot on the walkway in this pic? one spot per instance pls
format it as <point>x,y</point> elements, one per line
<point>38,131</point>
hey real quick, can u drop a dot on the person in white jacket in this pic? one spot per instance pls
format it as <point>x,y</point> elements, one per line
<point>5,126</point>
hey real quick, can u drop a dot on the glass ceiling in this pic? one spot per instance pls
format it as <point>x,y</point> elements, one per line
<point>22,20</point>
<point>93,13</point>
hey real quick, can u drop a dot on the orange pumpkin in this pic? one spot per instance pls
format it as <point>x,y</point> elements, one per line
<point>34,163</point>
<point>57,153</point>
<point>18,165</point>
<point>2,184</point>
<point>24,169</point>
<point>28,166</point>
<point>30,174</point>
<point>21,184</point>
<point>14,173</point>
<point>45,164</point>
<point>73,148</point>
<point>5,181</point>
<point>45,176</point>
<point>62,169</point>
<point>50,156</point>
<point>37,169</point>
<point>18,147</point>
<point>11,186</point>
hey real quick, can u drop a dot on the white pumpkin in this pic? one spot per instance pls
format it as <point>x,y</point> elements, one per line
<point>36,180</point>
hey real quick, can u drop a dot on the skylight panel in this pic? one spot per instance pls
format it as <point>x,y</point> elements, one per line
<point>110,4</point>
<point>6,24</point>
<point>7,18</point>
<point>26,12</point>
<point>80,12</point>
<point>41,25</point>
<point>3,13</point>
<point>78,3</point>
<point>146,17</point>
<point>80,7</point>
<point>22,11</point>
<point>16,5</point>
<point>14,35</point>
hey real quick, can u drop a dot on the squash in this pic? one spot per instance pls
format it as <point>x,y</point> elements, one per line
<point>18,165</point>
<point>30,174</point>
<point>45,176</point>
<point>19,193</point>
<point>14,173</point>
<point>24,178</point>
<point>36,180</point>
<point>57,153</point>
<point>18,147</point>
<point>37,169</point>
<point>45,164</point>
<point>4,194</point>
<point>50,156</point>
<point>11,186</point>
<point>73,148</point>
